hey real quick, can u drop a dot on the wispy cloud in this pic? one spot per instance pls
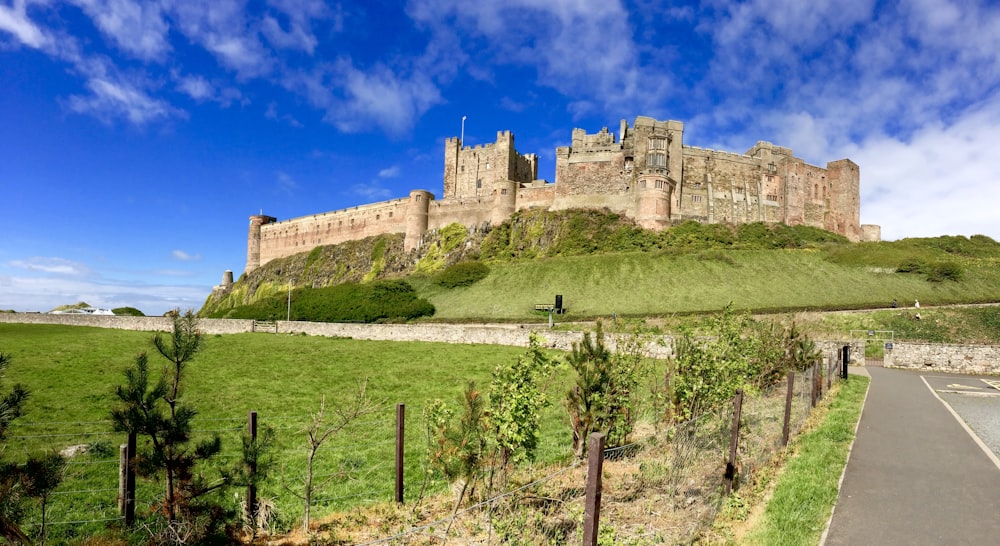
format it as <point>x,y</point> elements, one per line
<point>184,256</point>
<point>55,266</point>
<point>371,192</point>
<point>136,27</point>
<point>14,19</point>
<point>286,184</point>
<point>389,172</point>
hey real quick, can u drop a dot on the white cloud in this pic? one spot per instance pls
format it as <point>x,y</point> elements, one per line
<point>184,256</point>
<point>389,172</point>
<point>112,97</point>
<point>23,293</point>
<point>941,181</point>
<point>376,97</point>
<point>371,192</point>
<point>55,266</point>
<point>584,49</point>
<point>196,87</point>
<point>14,19</point>
<point>138,28</point>
<point>286,184</point>
<point>221,27</point>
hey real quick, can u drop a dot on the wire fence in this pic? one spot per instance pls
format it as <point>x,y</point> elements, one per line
<point>664,487</point>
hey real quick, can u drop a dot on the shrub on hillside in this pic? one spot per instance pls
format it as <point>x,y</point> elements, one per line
<point>462,274</point>
<point>381,301</point>
<point>911,265</point>
<point>945,271</point>
<point>128,312</point>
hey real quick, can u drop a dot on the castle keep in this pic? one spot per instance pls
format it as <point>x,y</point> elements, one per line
<point>644,172</point>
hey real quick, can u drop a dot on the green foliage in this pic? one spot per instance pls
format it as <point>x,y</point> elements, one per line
<point>733,351</point>
<point>462,440</point>
<point>462,274</point>
<point>155,412</point>
<point>128,312</point>
<point>603,398</point>
<point>517,397</point>
<point>933,271</point>
<point>379,301</point>
<point>378,261</point>
<point>450,237</point>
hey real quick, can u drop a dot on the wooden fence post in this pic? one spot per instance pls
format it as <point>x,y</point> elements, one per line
<point>788,408</point>
<point>812,382</point>
<point>122,469</point>
<point>592,511</point>
<point>400,414</point>
<point>734,441</point>
<point>130,448</point>
<point>252,485</point>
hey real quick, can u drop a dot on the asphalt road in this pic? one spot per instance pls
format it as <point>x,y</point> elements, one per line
<point>915,475</point>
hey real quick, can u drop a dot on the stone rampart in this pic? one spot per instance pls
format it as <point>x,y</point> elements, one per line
<point>937,357</point>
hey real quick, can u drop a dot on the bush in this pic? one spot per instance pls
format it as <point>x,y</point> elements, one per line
<point>945,271</point>
<point>462,274</point>
<point>380,301</point>
<point>128,312</point>
<point>911,265</point>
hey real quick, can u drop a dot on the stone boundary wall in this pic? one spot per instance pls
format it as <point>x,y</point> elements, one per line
<point>511,335</point>
<point>141,324</point>
<point>939,357</point>
<point>966,359</point>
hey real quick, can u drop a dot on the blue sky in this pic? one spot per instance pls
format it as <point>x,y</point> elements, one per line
<point>137,137</point>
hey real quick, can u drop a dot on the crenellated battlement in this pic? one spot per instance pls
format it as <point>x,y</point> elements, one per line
<point>644,172</point>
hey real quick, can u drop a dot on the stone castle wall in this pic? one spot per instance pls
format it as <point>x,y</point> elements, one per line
<point>644,172</point>
<point>938,357</point>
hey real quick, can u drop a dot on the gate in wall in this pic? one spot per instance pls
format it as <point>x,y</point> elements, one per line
<point>877,344</point>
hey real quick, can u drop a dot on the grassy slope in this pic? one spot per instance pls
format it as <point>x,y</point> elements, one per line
<point>643,284</point>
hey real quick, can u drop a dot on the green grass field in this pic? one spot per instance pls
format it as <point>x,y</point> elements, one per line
<point>643,284</point>
<point>72,373</point>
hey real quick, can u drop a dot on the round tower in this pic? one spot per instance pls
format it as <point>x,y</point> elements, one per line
<point>504,201</point>
<point>416,218</point>
<point>653,203</point>
<point>253,240</point>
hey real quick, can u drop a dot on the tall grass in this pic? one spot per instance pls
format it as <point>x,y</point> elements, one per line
<point>807,489</point>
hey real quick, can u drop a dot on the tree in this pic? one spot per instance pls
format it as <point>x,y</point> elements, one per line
<point>517,396</point>
<point>603,396</point>
<point>155,411</point>
<point>36,478</point>
<point>320,430</point>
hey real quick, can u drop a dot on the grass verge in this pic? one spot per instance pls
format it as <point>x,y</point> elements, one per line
<point>806,491</point>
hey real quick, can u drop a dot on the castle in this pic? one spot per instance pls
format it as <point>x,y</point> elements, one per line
<point>644,172</point>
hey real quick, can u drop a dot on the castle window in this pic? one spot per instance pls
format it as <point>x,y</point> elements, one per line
<point>642,183</point>
<point>378,216</point>
<point>503,191</point>
<point>656,159</point>
<point>390,214</point>
<point>696,199</point>
<point>657,144</point>
<point>479,183</point>
<point>772,197</point>
<point>772,168</point>
<point>461,169</point>
<point>659,184</point>
<point>487,165</point>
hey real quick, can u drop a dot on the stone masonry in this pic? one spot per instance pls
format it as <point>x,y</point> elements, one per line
<point>644,172</point>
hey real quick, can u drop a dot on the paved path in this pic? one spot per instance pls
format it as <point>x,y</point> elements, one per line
<point>915,476</point>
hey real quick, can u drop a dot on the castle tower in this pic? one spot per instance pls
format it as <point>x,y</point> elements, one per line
<point>473,171</point>
<point>504,201</point>
<point>844,178</point>
<point>253,240</point>
<point>416,218</point>
<point>654,194</point>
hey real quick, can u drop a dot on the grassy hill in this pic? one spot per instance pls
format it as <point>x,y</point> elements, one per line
<point>603,264</point>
